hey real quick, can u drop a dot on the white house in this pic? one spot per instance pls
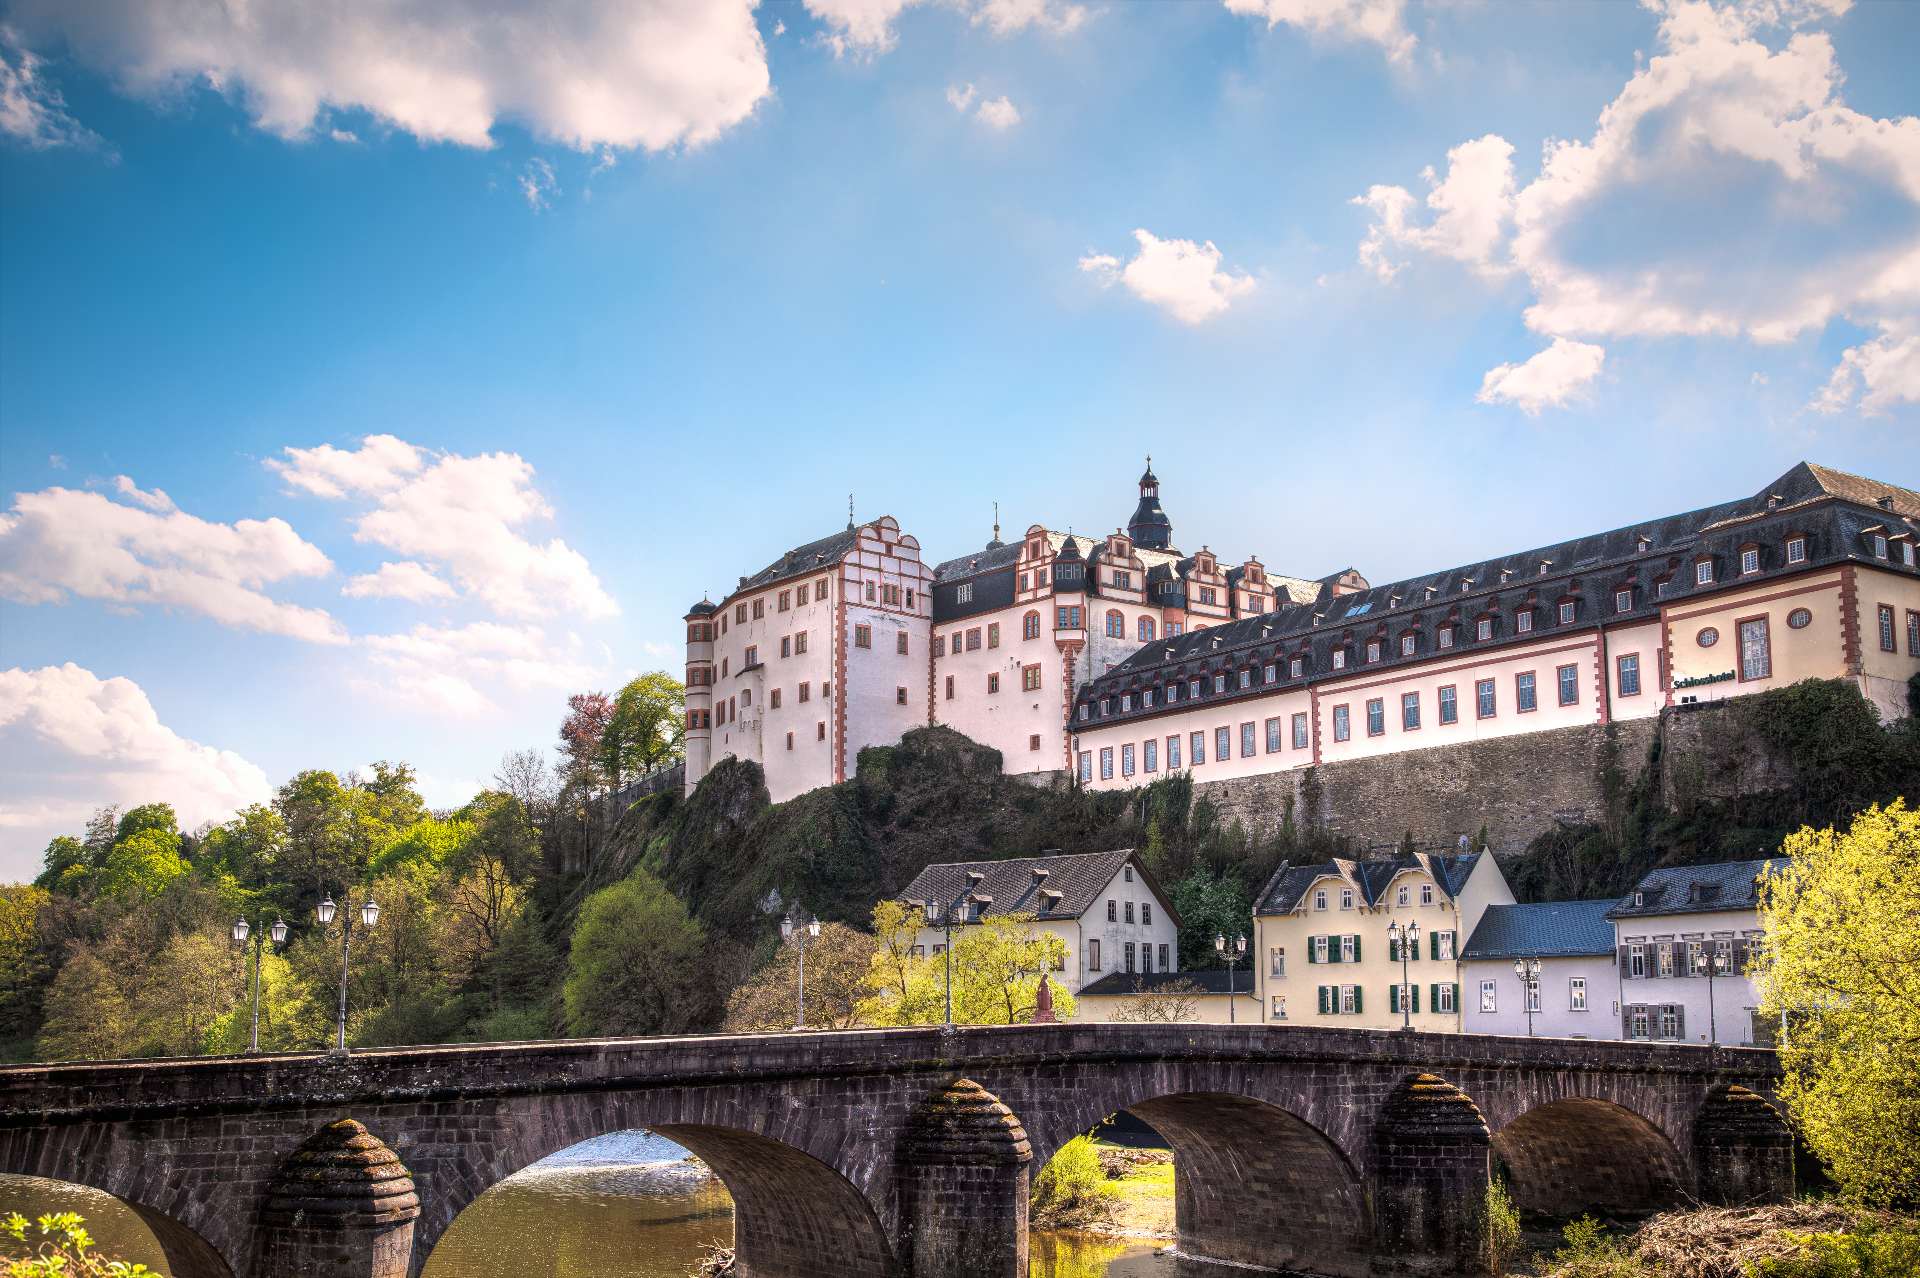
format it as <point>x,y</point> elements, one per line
<point>1573,995</point>
<point>1104,905</point>
<point>1682,940</point>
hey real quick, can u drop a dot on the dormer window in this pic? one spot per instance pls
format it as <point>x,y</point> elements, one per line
<point>1105,705</point>
<point>1339,658</point>
<point>1749,560</point>
<point>1879,545</point>
<point>1523,621</point>
<point>1703,572</point>
<point>1193,688</point>
<point>1446,636</point>
<point>1566,612</point>
<point>1639,899</point>
<point>1270,673</point>
<point>1246,679</point>
<point>1483,628</point>
<point>1373,650</point>
<point>1126,702</point>
<point>1122,580</point>
<point>1296,666</point>
<point>1406,645</point>
<point>1796,550</point>
<point>1623,601</point>
<point>1219,684</point>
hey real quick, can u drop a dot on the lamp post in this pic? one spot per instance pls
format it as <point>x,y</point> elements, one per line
<point>240,931</point>
<point>369,915</point>
<point>944,919</point>
<point>1528,970</point>
<point>1717,964</point>
<point>1404,939</point>
<point>806,930</point>
<point>1232,953</point>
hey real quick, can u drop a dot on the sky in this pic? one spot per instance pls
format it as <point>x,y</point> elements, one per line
<point>373,376</point>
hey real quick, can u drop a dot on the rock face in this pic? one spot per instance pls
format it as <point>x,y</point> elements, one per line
<point>342,1204</point>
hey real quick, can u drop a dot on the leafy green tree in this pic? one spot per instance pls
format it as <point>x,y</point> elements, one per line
<point>286,1007</point>
<point>1840,965</point>
<point>88,1014</point>
<point>1210,905</point>
<point>140,866</point>
<point>248,847</point>
<point>148,816</point>
<point>25,966</point>
<point>639,964</point>
<point>59,1246</point>
<point>191,985</point>
<point>996,971</point>
<point>67,866</point>
<point>837,963</point>
<point>645,728</point>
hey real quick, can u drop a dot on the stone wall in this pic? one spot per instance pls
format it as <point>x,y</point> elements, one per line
<point>1517,787</point>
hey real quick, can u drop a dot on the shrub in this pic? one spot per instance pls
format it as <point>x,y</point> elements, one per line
<point>1072,1189</point>
<point>1873,1251</point>
<point>63,1249</point>
<point>1499,1229</point>
<point>1589,1252</point>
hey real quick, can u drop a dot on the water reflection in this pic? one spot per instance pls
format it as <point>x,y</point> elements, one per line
<point>117,1231</point>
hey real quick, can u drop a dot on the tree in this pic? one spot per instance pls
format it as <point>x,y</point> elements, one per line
<point>580,733</point>
<point>193,982</point>
<point>640,964</point>
<point>148,816</point>
<point>1841,967</point>
<point>1173,1001</point>
<point>24,964</point>
<point>645,728</point>
<point>88,1017</point>
<point>62,1248</point>
<point>997,965</point>
<point>837,964</point>
<point>525,776</point>
<point>140,866</point>
<point>1210,905</point>
<point>67,866</point>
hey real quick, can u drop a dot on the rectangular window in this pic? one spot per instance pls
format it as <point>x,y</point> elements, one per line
<point>1106,763</point>
<point>1756,652</point>
<point>1663,958</point>
<point>1913,634</point>
<point>1444,998</point>
<point>1566,612</point>
<point>1173,753</point>
<point>1636,959</point>
<point>1086,765</point>
<point>1376,717</point>
<point>1749,560</point>
<point>1197,748</point>
<point>993,682</point>
<point>1489,998</point>
<point>1030,678</point>
<point>1246,679</point>
<point>1339,658</point>
<point>1300,723</point>
<point>1628,674</point>
<point>774,700</point>
<point>1146,698</point>
<point>1886,628</point>
<point>1129,911</point>
<point>900,696</point>
<point>993,635</point>
<point>1531,992</point>
<point>973,639</point>
<point>1164,955</point>
<point>900,643</point>
<point>1126,952</point>
<point>1295,666</point>
<point>1446,636</point>
<point>1279,1007</point>
<point>1637,1022</point>
<point>1409,711</point>
<point>759,609</point>
<point>1525,694</point>
<point>1406,645</point>
<point>1346,899</point>
<point>1703,573</point>
<point>1268,673</point>
<point>752,657</point>
<point>1349,1000</point>
<point>806,692</point>
<point>1126,762</point>
<point>1219,683</point>
<point>800,642</point>
<point>1193,689</point>
<point>1150,755</point>
<point>1246,740</point>
<point>1796,550</point>
<point>1669,1021</point>
<point>1426,894</point>
<point>1577,994</point>
<point>1342,729</point>
<point>1093,956</point>
<point>863,636</point>
<point>1523,622</point>
<point>1373,650</point>
<point>786,645</point>
<point>950,693</point>
<point>963,593</point>
<point>1449,704</point>
<point>1483,629</point>
<point>1623,601</point>
<point>1222,744</point>
<point>1277,961</point>
<point>1273,735</point>
<point>820,730</point>
<point>1569,680</point>
<point>786,600</point>
<point>939,645</point>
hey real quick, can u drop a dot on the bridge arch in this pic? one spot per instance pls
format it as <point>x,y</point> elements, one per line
<point>187,1254</point>
<point>1575,1154</point>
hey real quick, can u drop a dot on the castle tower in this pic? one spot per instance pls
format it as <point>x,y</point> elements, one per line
<point>699,738</point>
<point>1150,527</point>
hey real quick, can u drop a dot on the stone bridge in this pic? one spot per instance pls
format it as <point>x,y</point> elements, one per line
<point>907,1153</point>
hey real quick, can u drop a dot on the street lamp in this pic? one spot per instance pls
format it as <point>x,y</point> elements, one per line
<point>1718,963</point>
<point>240,931</point>
<point>810,929</point>
<point>944,919</point>
<point>1404,939</point>
<point>1232,953</point>
<point>369,915</point>
<point>1528,970</point>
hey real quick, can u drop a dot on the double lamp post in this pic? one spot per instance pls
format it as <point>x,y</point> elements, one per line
<point>325,911</point>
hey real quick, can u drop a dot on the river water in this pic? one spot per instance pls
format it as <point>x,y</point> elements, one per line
<point>625,1205</point>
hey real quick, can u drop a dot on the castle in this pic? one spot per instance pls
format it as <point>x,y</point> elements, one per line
<point>1120,658</point>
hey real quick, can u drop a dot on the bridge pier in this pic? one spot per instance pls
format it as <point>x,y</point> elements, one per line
<point>342,1206</point>
<point>1742,1150</point>
<point>963,1171</point>
<point>1430,1162</point>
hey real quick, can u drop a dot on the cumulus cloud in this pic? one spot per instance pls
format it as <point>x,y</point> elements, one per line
<point>866,27</point>
<point>74,742</point>
<point>998,113</point>
<point>442,668</point>
<point>1179,276</point>
<point>32,111</point>
<point>462,514</point>
<point>960,97</point>
<point>1726,191</point>
<point>1381,22</point>
<point>624,73</point>
<point>61,542</point>
<point>404,580</point>
<point>1471,208</point>
<point>1551,379</point>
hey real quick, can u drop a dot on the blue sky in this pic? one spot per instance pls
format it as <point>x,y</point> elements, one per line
<point>640,295</point>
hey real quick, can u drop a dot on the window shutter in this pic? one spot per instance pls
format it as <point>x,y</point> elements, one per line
<point>1626,1021</point>
<point>1625,971</point>
<point>1741,954</point>
<point>1393,950</point>
<point>1356,947</point>
<point>1357,991</point>
<point>1321,991</point>
<point>1415,991</point>
<point>1433,996</point>
<point>1393,998</point>
<point>1456,995</point>
<point>1679,1021</point>
<point>1433,944</point>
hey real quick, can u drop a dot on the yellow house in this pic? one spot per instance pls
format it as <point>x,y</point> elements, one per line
<point>1327,939</point>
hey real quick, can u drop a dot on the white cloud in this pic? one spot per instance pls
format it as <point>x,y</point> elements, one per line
<point>404,580</point>
<point>345,136</point>
<point>998,113</point>
<point>1726,191</point>
<point>442,668</point>
<point>60,542</point>
<point>1471,209</point>
<point>1380,22</point>
<point>1551,379</point>
<point>1179,276</point>
<point>538,184</point>
<point>75,742</point>
<point>960,97</point>
<point>157,500</point>
<point>463,514</point>
<point>865,27</point>
<point>624,73</point>
<point>31,110</point>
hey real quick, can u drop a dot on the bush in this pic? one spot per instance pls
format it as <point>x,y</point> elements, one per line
<point>1873,1251</point>
<point>1499,1229</point>
<point>1072,1189</point>
<point>63,1249</point>
<point>1589,1252</point>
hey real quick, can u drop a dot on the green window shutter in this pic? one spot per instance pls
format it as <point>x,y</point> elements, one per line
<point>1356,948</point>
<point>1310,957</point>
<point>1357,991</point>
<point>1393,950</point>
<point>1321,990</point>
<point>1433,945</point>
<point>1414,990</point>
<point>1456,995</point>
<point>1393,998</point>
<point>1433,996</point>
<point>1333,949</point>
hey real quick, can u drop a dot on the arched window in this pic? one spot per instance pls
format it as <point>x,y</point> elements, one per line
<point>1146,629</point>
<point>1116,624</point>
<point>1030,626</point>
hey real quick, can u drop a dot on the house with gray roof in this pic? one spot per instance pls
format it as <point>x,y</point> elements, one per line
<point>1684,939</point>
<point>1573,994</point>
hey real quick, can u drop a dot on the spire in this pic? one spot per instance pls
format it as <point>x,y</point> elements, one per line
<point>849,512</point>
<point>996,543</point>
<point>1150,526</point>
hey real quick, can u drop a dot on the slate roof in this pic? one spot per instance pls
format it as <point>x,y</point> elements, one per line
<point>705,608</point>
<point>1289,883</point>
<point>1550,929</point>
<point>1697,889</point>
<point>802,560</point>
<point>1079,877</point>
<point>1211,980</point>
<point>1834,511</point>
